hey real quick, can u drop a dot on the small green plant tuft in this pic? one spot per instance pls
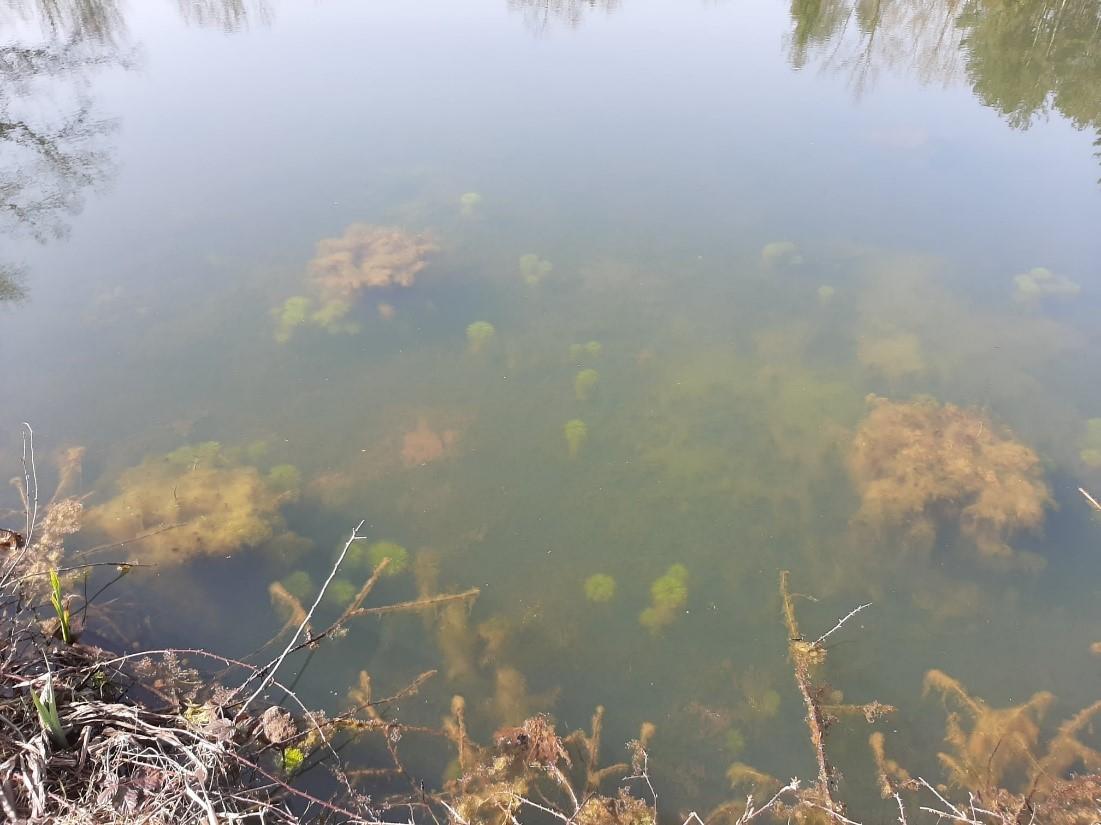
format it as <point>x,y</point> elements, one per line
<point>46,705</point>
<point>61,608</point>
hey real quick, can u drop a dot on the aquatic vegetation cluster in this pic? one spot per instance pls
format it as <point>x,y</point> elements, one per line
<point>197,500</point>
<point>894,355</point>
<point>600,588</point>
<point>919,464</point>
<point>469,203</point>
<point>779,254</point>
<point>589,350</point>
<point>479,335</point>
<point>576,433</point>
<point>668,596</point>
<point>584,384</point>
<point>1090,454</point>
<point>534,269</point>
<point>368,257</point>
<point>424,445</point>
<point>1039,283</point>
<point>298,312</point>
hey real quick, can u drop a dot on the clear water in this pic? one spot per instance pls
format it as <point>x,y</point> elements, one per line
<point>919,155</point>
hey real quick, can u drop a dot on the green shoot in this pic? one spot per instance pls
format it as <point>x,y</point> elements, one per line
<point>61,608</point>
<point>46,705</point>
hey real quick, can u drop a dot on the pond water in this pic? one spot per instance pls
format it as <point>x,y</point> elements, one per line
<point>644,262</point>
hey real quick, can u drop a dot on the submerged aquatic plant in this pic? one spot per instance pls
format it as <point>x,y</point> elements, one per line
<point>591,349</point>
<point>1091,446</point>
<point>197,500</point>
<point>297,312</point>
<point>299,584</point>
<point>780,254</point>
<point>826,293</point>
<point>469,203</point>
<point>398,556</point>
<point>1039,283</point>
<point>534,269</point>
<point>479,334</point>
<point>584,385</point>
<point>599,588</point>
<point>918,463</point>
<point>294,313</point>
<point>368,257</point>
<point>576,433</point>
<point>668,596</point>
<point>340,592</point>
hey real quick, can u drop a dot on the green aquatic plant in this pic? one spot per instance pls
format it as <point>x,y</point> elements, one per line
<point>1039,283</point>
<point>284,478</point>
<point>781,254</point>
<point>1091,446</point>
<point>398,556</point>
<point>668,596</point>
<point>534,269</point>
<point>599,588</point>
<point>294,313</point>
<point>469,203</point>
<point>299,584</point>
<point>193,456</point>
<point>292,759</point>
<point>61,608</point>
<point>591,349</point>
<point>576,433</point>
<point>340,591</point>
<point>479,334</point>
<point>46,706</point>
<point>584,385</point>
<point>826,293</point>
<point>331,318</point>
<point>735,742</point>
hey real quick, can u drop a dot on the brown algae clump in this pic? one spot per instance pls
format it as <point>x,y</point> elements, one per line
<point>368,257</point>
<point>919,463</point>
<point>668,596</point>
<point>194,501</point>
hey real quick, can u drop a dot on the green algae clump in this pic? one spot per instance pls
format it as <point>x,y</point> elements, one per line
<point>299,584</point>
<point>340,592</point>
<point>469,203</point>
<point>331,318</point>
<point>590,349</point>
<point>479,334</point>
<point>194,501</point>
<point>534,269</point>
<point>398,556</point>
<point>294,313</point>
<point>780,254</point>
<point>577,433</point>
<point>600,588</point>
<point>584,385</point>
<point>1091,446</point>
<point>1039,283</point>
<point>668,596</point>
<point>284,478</point>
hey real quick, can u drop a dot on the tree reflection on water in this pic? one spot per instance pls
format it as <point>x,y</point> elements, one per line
<point>1023,58</point>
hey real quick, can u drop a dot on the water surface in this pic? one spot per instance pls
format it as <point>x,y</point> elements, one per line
<point>761,214</point>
